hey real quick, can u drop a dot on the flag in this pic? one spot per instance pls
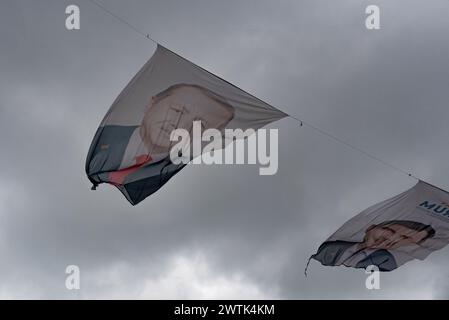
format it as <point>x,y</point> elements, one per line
<point>131,147</point>
<point>408,226</point>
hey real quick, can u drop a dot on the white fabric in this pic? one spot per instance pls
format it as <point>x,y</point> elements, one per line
<point>423,203</point>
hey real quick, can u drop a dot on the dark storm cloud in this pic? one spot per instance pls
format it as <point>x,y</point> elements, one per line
<point>249,235</point>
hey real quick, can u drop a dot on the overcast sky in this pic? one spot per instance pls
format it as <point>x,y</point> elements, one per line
<point>219,231</point>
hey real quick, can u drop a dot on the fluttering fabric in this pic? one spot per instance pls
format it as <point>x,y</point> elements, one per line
<point>408,226</point>
<point>131,147</point>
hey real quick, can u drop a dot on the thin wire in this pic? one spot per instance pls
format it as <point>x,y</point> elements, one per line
<point>129,25</point>
<point>329,135</point>
<point>323,132</point>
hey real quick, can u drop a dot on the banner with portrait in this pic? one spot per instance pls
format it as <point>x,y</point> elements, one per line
<point>131,147</point>
<point>408,226</point>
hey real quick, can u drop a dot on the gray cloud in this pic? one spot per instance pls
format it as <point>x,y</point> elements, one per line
<point>220,231</point>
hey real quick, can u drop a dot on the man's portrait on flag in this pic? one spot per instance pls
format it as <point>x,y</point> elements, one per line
<point>177,107</point>
<point>375,247</point>
<point>408,226</point>
<point>131,148</point>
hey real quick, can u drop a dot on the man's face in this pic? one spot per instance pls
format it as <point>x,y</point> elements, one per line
<point>392,236</point>
<point>179,110</point>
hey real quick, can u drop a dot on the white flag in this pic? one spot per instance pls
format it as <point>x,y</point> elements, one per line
<point>408,226</point>
<point>132,145</point>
